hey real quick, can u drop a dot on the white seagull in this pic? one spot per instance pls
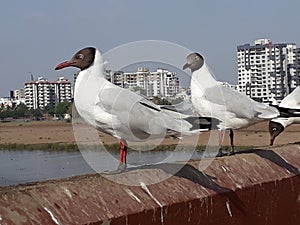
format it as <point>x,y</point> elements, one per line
<point>211,99</point>
<point>289,114</point>
<point>117,111</point>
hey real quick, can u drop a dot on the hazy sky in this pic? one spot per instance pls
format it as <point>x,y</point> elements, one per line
<point>37,35</point>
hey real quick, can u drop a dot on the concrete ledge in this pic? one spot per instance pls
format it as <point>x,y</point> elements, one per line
<point>253,187</point>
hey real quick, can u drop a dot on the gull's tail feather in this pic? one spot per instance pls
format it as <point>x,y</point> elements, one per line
<point>202,123</point>
<point>287,112</point>
<point>267,112</point>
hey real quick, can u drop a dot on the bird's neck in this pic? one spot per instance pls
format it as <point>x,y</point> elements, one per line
<point>90,80</point>
<point>285,122</point>
<point>202,79</point>
<point>97,69</point>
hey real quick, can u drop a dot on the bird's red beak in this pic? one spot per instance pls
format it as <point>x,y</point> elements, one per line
<point>63,65</point>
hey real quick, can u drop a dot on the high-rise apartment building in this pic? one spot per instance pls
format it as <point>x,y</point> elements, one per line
<point>268,71</point>
<point>42,92</point>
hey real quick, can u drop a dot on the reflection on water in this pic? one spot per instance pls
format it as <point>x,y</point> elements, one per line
<point>18,167</point>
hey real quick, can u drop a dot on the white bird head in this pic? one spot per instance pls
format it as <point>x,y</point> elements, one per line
<point>194,61</point>
<point>83,59</point>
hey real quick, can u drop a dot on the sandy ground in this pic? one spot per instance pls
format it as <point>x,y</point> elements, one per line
<point>62,132</point>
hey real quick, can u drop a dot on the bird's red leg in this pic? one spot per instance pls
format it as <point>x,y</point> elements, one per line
<point>123,154</point>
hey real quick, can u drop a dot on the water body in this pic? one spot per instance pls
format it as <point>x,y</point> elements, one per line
<point>18,167</point>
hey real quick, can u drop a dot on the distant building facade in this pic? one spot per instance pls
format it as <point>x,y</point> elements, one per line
<point>42,93</point>
<point>226,84</point>
<point>267,71</point>
<point>162,82</point>
<point>18,94</point>
<point>15,98</point>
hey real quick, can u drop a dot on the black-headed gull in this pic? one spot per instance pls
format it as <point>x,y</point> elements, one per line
<point>289,114</point>
<point>117,111</point>
<point>211,99</point>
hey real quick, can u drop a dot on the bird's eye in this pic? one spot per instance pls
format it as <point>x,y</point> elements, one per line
<point>80,56</point>
<point>274,129</point>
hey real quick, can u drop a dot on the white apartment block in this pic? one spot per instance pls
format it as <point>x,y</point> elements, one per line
<point>42,92</point>
<point>116,77</point>
<point>161,82</point>
<point>267,71</point>
<point>18,94</point>
<point>16,97</point>
<point>7,102</point>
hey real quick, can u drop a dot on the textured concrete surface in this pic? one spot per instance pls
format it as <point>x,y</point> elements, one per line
<point>260,186</point>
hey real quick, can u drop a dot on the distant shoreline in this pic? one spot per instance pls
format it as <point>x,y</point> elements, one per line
<point>41,146</point>
<point>59,135</point>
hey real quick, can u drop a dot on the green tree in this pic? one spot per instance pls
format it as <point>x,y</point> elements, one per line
<point>20,111</point>
<point>62,108</point>
<point>5,114</point>
<point>37,114</point>
<point>49,109</point>
<point>70,110</point>
<point>160,101</point>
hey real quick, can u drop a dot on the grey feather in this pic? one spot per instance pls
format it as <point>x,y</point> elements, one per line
<point>239,104</point>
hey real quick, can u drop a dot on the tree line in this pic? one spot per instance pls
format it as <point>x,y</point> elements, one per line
<point>21,111</point>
